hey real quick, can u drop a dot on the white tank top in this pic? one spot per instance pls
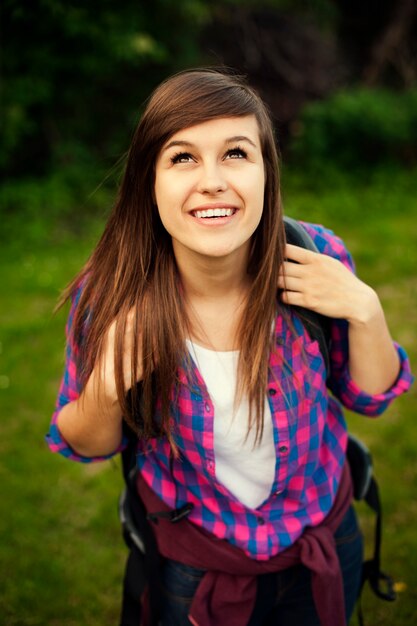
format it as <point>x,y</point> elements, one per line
<point>247,471</point>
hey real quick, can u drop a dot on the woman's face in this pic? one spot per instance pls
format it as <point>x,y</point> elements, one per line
<point>209,187</point>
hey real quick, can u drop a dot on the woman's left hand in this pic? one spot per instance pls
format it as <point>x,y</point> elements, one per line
<point>323,284</point>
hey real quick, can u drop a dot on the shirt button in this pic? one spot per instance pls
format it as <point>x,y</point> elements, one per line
<point>207,407</point>
<point>272,391</point>
<point>260,521</point>
<point>283,449</point>
<point>279,492</point>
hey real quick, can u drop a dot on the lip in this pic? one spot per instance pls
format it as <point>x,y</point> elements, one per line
<point>214,205</point>
<point>217,222</point>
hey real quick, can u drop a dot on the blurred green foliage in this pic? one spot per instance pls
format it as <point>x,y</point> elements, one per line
<point>66,65</point>
<point>75,76</point>
<point>357,129</point>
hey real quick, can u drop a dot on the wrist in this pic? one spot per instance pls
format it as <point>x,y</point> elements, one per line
<point>365,308</point>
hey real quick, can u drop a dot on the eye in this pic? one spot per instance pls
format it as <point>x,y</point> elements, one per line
<point>181,157</point>
<point>236,153</point>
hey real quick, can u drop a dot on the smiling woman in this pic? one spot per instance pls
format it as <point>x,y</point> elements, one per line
<point>184,326</point>
<point>210,195</point>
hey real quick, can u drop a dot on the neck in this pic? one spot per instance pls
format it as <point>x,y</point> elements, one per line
<point>215,290</point>
<point>218,277</point>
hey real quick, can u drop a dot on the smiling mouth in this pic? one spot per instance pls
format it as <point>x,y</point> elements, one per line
<point>213,213</point>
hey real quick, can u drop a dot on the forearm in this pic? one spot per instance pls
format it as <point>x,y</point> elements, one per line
<point>374,364</point>
<point>92,424</point>
<point>326,285</point>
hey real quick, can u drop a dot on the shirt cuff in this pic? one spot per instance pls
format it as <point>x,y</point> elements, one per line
<point>57,443</point>
<point>353,397</point>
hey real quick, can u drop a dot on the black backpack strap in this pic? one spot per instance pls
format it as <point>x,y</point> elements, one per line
<point>318,326</point>
<point>143,567</point>
<point>365,488</point>
<point>134,586</point>
<point>372,567</point>
<point>144,561</point>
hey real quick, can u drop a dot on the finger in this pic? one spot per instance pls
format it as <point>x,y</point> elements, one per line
<point>300,255</point>
<point>289,268</point>
<point>290,283</point>
<point>293,298</point>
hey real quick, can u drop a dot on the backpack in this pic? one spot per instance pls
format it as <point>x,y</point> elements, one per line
<point>144,561</point>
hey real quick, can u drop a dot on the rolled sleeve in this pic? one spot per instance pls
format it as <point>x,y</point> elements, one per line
<point>57,443</point>
<point>355,399</point>
<point>339,381</point>
<point>69,390</point>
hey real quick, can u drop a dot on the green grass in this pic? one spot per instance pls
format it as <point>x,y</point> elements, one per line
<point>61,552</point>
<point>61,556</point>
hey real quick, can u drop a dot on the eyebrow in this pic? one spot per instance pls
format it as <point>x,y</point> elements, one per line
<point>188,144</point>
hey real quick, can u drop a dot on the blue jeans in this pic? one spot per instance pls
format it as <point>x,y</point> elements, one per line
<point>283,598</point>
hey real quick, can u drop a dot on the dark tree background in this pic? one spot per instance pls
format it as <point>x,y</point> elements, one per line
<point>299,51</point>
<point>75,74</point>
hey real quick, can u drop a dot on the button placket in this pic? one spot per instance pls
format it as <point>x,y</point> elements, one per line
<point>210,466</point>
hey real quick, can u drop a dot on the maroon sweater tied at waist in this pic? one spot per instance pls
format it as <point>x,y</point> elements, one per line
<point>226,596</point>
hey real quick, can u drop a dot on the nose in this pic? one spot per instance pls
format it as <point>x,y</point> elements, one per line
<point>212,180</point>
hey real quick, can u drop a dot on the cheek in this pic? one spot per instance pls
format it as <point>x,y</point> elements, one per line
<point>256,192</point>
<point>170,190</point>
<point>163,199</point>
<point>162,206</point>
<point>159,189</point>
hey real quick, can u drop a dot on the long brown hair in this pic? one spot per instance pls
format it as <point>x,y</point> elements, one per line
<point>133,266</point>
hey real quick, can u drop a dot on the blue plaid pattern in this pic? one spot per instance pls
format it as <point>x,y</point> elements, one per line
<point>310,434</point>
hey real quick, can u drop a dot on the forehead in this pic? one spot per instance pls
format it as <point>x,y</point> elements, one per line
<point>221,129</point>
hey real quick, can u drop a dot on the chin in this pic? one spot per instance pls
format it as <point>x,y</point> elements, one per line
<point>218,253</point>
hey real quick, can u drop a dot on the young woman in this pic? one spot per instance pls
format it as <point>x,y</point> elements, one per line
<point>191,291</point>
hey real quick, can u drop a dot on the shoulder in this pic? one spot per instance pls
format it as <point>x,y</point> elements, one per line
<point>329,243</point>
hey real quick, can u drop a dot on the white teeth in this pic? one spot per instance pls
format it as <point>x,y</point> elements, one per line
<point>214,213</point>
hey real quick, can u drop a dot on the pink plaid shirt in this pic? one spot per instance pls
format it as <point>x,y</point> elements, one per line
<point>309,432</point>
